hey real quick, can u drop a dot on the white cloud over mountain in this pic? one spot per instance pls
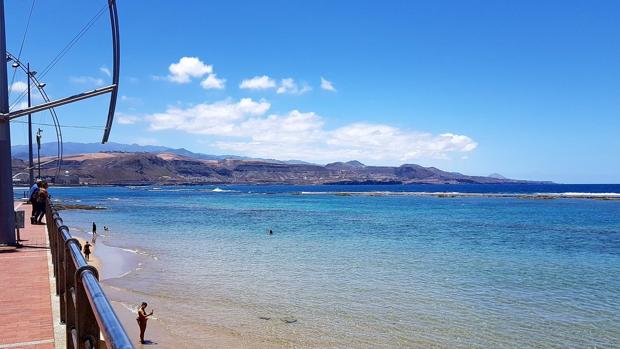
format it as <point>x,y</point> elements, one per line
<point>245,127</point>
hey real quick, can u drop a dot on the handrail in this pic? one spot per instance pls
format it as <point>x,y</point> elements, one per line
<point>84,307</point>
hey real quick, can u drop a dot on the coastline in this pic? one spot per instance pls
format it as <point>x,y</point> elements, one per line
<point>116,263</point>
<point>535,196</point>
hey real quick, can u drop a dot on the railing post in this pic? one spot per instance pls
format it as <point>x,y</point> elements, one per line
<point>61,279</point>
<point>69,292</point>
<point>87,327</point>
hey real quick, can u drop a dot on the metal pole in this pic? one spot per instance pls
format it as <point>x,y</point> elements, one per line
<point>39,151</point>
<point>30,162</point>
<point>7,212</point>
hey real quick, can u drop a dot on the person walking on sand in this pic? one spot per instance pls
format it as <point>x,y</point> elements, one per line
<point>142,318</point>
<point>87,250</point>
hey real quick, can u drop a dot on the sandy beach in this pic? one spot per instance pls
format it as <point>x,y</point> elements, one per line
<point>113,262</point>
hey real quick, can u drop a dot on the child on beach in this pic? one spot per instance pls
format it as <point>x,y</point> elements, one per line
<point>87,250</point>
<point>142,318</point>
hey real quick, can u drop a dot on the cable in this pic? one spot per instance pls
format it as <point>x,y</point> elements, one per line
<point>66,49</point>
<point>21,47</point>
<point>70,126</point>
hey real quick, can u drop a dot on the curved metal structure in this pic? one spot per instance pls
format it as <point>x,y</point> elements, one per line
<point>38,85</point>
<point>112,89</point>
<point>116,58</point>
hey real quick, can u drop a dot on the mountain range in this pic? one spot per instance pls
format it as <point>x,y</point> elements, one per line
<point>122,164</point>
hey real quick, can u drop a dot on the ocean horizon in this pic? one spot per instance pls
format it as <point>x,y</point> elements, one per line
<point>374,270</point>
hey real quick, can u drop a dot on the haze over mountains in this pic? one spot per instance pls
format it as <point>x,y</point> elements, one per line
<point>124,164</point>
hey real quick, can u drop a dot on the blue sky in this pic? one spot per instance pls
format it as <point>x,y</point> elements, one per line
<point>527,89</point>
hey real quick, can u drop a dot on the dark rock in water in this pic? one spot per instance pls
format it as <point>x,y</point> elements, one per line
<point>264,318</point>
<point>288,320</point>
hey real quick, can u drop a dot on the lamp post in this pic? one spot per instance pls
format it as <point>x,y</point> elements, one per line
<point>39,151</point>
<point>30,162</point>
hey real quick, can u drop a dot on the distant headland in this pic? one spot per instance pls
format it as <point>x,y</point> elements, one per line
<point>122,164</point>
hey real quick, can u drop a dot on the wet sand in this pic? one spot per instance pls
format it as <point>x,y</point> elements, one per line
<point>113,262</point>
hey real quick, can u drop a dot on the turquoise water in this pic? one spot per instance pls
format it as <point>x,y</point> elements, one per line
<point>368,271</point>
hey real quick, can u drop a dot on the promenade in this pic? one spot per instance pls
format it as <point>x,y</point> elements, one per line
<point>26,319</point>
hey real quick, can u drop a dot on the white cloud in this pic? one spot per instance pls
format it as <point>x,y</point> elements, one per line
<point>289,86</point>
<point>19,87</point>
<point>125,119</point>
<point>220,118</point>
<point>376,141</point>
<point>212,82</point>
<point>105,70</point>
<point>327,85</point>
<point>244,127</point>
<point>187,68</point>
<point>86,80</point>
<point>258,83</point>
<point>131,100</point>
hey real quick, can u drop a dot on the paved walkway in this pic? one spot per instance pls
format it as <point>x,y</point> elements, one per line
<point>25,304</point>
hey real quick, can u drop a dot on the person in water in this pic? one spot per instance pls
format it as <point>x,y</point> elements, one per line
<point>87,250</point>
<point>142,318</point>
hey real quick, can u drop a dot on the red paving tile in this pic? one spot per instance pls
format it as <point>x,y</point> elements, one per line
<point>25,306</point>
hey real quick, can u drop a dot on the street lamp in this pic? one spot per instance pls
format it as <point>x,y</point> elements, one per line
<point>39,150</point>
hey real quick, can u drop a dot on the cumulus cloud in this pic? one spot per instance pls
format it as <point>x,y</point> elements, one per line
<point>258,83</point>
<point>125,119</point>
<point>212,82</point>
<point>289,86</point>
<point>19,87</point>
<point>246,127</point>
<point>86,80</point>
<point>327,85</point>
<point>187,68</point>
<point>105,70</point>
<point>220,118</point>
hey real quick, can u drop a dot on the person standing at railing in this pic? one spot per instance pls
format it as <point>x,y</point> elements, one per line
<point>42,197</point>
<point>142,318</point>
<point>32,198</point>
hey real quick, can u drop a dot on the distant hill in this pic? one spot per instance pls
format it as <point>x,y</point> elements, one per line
<point>73,148</point>
<point>165,166</point>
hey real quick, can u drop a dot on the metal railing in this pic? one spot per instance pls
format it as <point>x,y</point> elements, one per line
<point>84,308</point>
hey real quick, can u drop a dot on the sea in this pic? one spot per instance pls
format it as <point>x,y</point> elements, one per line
<point>367,266</point>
